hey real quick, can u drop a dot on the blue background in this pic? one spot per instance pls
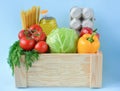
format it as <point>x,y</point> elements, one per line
<point>107,16</point>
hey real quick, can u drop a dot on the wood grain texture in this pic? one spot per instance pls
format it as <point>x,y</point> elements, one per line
<point>66,70</point>
<point>96,70</point>
<point>21,75</point>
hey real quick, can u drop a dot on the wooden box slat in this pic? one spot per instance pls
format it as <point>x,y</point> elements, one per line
<point>65,70</point>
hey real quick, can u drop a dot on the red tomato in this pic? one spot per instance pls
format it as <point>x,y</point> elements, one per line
<point>39,36</point>
<point>98,35</point>
<point>21,34</point>
<point>35,27</point>
<point>27,43</point>
<point>43,36</point>
<point>24,33</point>
<point>37,33</point>
<point>41,47</point>
<point>85,30</point>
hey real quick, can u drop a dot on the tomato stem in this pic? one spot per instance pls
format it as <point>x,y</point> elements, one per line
<point>95,30</point>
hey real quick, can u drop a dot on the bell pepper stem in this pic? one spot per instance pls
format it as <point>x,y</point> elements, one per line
<point>91,37</point>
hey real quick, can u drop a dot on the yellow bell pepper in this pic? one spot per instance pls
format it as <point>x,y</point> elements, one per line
<point>88,43</point>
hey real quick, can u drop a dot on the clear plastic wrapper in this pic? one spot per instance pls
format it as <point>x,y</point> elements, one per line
<point>76,12</point>
<point>87,13</point>
<point>81,17</point>
<point>75,24</point>
<point>88,23</point>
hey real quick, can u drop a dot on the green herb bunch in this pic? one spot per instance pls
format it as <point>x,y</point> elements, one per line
<point>15,54</point>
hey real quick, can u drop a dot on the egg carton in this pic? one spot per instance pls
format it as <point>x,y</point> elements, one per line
<point>81,17</point>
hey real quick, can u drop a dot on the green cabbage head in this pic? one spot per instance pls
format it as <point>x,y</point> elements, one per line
<point>62,40</point>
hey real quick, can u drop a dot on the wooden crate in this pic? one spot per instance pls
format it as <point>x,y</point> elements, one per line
<point>73,70</point>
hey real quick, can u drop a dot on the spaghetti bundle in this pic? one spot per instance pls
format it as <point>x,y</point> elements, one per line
<point>30,17</point>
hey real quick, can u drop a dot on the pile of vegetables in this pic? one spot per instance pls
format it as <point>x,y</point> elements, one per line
<point>33,42</point>
<point>33,38</point>
<point>88,41</point>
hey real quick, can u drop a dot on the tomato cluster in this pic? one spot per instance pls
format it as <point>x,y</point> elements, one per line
<point>33,38</point>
